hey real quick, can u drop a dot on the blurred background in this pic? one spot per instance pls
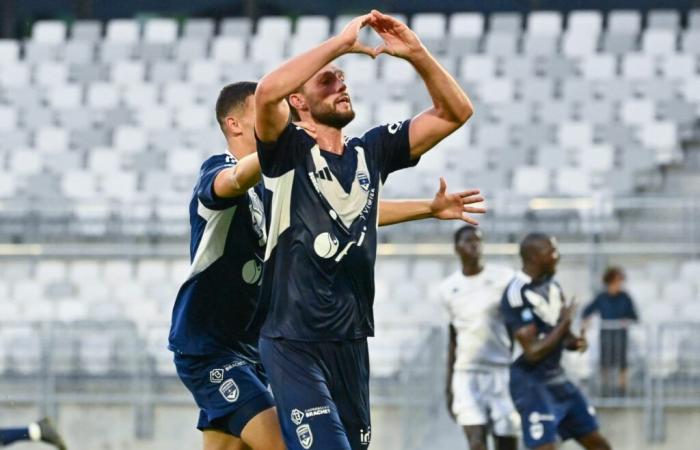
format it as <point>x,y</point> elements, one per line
<point>586,127</point>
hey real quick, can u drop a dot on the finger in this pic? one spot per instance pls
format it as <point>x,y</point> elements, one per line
<point>470,220</point>
<point>474,210</point>
<point>361,48</point>
<point>379,49</point>
<point>473,199</point>
<point>443,186</point>
<point>469,192</point>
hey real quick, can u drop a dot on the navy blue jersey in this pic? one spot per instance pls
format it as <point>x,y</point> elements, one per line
<point>318,280</point>
<point>612,307</point>
<point>535,303</point>
<point>218,299</point>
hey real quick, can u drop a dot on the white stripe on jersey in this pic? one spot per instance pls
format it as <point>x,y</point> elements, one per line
<point>515,297</point>
<point>280,208</point>
<point>211,246</point>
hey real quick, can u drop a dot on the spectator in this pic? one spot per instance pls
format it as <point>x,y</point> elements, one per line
<point>617,312</point>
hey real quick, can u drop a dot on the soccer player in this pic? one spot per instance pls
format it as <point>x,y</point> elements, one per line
<point>215,357</point>
<point>479,347</point>
<point>41,431</point>
<point>539,319</point>
<point>318,281</point>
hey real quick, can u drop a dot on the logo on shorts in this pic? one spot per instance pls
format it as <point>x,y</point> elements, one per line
<point>536,431</point>
<point>297,417</point>
<point>229,390</point>
<point>306,439</point>
<point>216,375</point>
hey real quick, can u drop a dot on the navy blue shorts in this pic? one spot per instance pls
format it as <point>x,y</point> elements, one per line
<point>548,410</point>
<point>228,390</point>
<point>322,392</point>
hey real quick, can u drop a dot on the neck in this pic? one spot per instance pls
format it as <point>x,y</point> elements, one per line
<point>330,139</point>
<point>471,267</point>
<point>238,148</point>
<point>533,272</point>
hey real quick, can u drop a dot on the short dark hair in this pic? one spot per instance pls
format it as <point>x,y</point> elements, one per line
<point>233,96</point>
<point>532,243</point>
<point>611,273</point>
<point>466,229</point>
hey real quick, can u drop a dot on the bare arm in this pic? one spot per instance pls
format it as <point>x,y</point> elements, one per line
<point>451,105</point>
<point>535,349</point>
<point>236,180</point>
<point>451,357</point>
<point>272,110</point>
<point>443,206</point>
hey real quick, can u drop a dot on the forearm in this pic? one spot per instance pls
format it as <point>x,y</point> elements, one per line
<point>397,211</point>
<point>451,357</point>
<point>290,76</point>
<point>450,101</point>
<point>542,347</point>
<point>238,179</point>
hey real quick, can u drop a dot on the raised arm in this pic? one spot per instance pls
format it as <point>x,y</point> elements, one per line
<point>272,110</point>
<point>451,105</point>
<point>444,206</point>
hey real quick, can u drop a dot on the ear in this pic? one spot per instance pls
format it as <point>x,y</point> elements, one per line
<point>298,101</point>
<point>233,125</point>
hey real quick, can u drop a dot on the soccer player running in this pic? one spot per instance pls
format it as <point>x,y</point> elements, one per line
<point>479,347</point>
<point>41,431</point>
<point>539,319</point>
<point>215,357</point>
<point>318,282</point>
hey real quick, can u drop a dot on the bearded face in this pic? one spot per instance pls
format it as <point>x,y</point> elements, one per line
<point>326,98</point>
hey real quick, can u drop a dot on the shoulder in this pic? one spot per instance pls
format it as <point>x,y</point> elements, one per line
<point>218,160</point>
<point>388,129</point>
<point>513,297</point>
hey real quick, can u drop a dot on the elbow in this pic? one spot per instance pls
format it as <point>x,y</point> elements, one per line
<point>465,112</point>
<point>266,92</point>
<point>532,357</point>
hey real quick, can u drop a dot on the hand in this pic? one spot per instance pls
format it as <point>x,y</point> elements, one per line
<point>399,40</point>
<point>308,127</point>
<point>578,344</point>
<point>350,36</point>
<point>455,206</point>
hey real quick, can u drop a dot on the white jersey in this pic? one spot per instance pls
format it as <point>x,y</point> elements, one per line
<point>472,303</point>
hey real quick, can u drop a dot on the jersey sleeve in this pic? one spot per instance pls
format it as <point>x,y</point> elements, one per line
<point>205,184</point>
<point>631,309</point>
<point>516,311</point>
<point>391,147</point>
<point>279,157</point>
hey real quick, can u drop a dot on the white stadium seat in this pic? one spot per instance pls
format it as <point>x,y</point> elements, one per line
<point>587,22</point>
<point>637,66</point>
<point>65,96</point>
<point>544,23</point>
<point>49,32</point>
<point>8,118</point>
<point>228,49</point>
<point>160,31</point>
<point>570,181</point>
<point>575,135</point>
<point>429,25</point>
<point>52,139</point>
<point>51,74</point>
<point>659,42</point>
<point>637,112</point>
<point>79,185</point>
<point>102,95</point>
<point>9,52</point>
<point>598,67</point>
<point>122,31</point>
<point>140,95</point>
<point>129,139</point>
<point>25,162</point>
<point>14,75</point>
<point>203,72</point>
<point>531,181</point>
<point>125,73</point>
<point>274,28</point>
<point>478,67</point>
<point>315,28</point>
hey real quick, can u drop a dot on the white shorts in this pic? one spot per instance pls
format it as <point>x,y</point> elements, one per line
<point>482,398</point>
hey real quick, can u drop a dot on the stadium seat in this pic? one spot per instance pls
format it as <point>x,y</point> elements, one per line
<point>659,42</point>
<point>585,22</point>
<point>663,19</point>
<point>86,30</point>
<point>637,66</point>
<point>160,31</point>
<point>236,26</point>
<point>14,75</point>
<point>228,49</point>
<point>575,135</point>
<point>477,67</point>
<point>49,32</point>
<point>315,28</point>
<point>198,29</point>
<point>125,73</point>
<point>51,139</point>
<point>678,291</point>
<point>102,95</point>
<point>663,138</point>
<point>500,43</point>
<point>123,31</point>
<point>598,158</point>
<point>274,28</point>
<point>598,67</point>
<point>637,112</point>
<point>465,32</point>
<point>9,52</point>
<point>129,139</point>
<point>8,118</point>
<point>190,49</point>
<point>531,181</point>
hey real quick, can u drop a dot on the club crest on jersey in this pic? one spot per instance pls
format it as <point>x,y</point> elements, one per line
<point>229,390</point>
<point>326,245</point>
<point>306,438</point>
<point>363,180</point>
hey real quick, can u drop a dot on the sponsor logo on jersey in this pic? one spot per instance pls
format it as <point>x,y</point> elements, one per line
<point>306,438</point>
<point>392,128</point>
<point>297,417</point>
<point>365,436</point>
<point>216,375</point>
<point>325,174</point>
<point>317,411</point>
<point>229,390</point>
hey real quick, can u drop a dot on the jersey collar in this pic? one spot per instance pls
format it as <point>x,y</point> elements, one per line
<point>523,276</point>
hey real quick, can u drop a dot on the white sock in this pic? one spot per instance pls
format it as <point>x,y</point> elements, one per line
<point>34,432</point>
